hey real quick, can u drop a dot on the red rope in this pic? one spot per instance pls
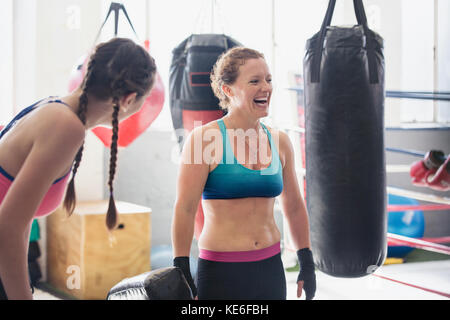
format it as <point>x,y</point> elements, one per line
<point>433,240</point>
<point>430,244</point>
<point>427,207</point>
<point>417,243</point>
<point>414,286</point>
<point>437,240</point>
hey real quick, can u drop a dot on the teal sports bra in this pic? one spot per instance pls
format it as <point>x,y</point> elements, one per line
<point>231,180</point>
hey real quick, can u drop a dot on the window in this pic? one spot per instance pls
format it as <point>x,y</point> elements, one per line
<point>425,54</point>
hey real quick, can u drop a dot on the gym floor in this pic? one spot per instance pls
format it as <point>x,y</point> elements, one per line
<point>424,270</point>
<point>433,275</point>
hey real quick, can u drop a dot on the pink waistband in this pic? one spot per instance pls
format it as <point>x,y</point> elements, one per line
<point>240,256</point>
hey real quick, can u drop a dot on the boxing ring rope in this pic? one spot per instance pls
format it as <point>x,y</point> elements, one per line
<point>408,152</point>
<point>421,95</point>
<point>396,240</point>
<point>418,195</point>
<point>390,168</point>
<point>447,295</point>
<point>430,207</point>
<point>428,244</point>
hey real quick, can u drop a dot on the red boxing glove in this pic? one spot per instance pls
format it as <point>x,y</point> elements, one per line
<point>421,170</point>
<point>441,180</point>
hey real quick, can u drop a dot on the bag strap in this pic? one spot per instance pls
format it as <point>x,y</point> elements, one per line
<point>370,41</point>
<point>116,7</point>
<point>362,20</point>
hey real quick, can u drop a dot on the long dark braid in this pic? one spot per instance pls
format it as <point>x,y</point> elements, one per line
<point>70,198</point>
<point>117,68</point>
<point>111,215</point>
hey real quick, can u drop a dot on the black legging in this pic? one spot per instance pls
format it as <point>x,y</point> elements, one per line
<point>257,280</point>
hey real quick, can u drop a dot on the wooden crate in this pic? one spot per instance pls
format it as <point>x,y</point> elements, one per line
<point>83,262</point>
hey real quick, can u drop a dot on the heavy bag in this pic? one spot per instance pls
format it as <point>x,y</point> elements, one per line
<point>191,95</point>
<point>160,284</point>
<point>345,162</point>
<point>135,125</point>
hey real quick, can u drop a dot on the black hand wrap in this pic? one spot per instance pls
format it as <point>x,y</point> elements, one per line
<point>307,272</point>
<point>183,264</point>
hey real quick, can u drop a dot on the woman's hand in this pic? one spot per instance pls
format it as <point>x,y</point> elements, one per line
<point>307,277</point>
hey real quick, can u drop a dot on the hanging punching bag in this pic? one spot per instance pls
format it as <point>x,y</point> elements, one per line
<point>345,162</point>
<point>192,101</point>
<point>132,127</point>
<point>135,125</point>
<point>191,96</point>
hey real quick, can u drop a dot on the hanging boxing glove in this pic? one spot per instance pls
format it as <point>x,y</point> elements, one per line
<point>441,180</point>
<point>421,170</point>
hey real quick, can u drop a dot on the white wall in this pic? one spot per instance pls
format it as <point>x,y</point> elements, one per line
<point>417,57</point>
<point>64,30</point>
<point>6,61</point>
<point>443,53</point>
<point>384,17</point>
<point>24,30</point>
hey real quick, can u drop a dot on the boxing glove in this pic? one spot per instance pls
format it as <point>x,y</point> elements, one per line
<point>441,179</point>
<point>183,264</point>
<point>307,272</point>
<point>421,170</point>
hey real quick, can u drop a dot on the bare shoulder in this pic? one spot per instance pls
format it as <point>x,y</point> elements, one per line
<point>207,132</point>
<point>203,144</point>
<point>283,142</point>
<point>281,138</point>
<point>56,123</point>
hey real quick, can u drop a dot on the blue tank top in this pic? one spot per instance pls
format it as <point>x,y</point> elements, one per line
<point>230,179</point>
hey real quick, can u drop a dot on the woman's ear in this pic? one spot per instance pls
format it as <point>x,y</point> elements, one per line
<point>127,101</point>
<point>227,90</point>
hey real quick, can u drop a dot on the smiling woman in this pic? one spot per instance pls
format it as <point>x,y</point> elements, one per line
<point>227,70</point>
<point>240,242</point>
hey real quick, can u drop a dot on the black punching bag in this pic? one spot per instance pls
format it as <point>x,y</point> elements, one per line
<point>345,162</point>
<point>191,97</point>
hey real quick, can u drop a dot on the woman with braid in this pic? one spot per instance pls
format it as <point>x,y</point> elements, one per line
<point>44,143</point>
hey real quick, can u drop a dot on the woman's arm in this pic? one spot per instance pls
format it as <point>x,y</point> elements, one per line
<point>50,154</point>
<point>191,181</point>
<point>192,177</point>
<point>297,218</point>
<point>291,200</point>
